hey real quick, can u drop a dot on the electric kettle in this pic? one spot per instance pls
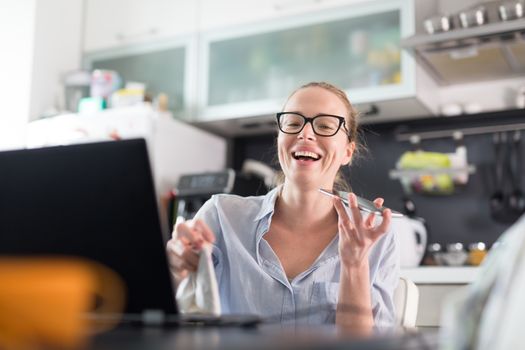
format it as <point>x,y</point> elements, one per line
<point>411,235</point>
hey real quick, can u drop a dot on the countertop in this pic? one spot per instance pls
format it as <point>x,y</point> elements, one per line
<point>441,274</point>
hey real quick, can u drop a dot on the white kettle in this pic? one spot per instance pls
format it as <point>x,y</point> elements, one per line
<point>411,235</point>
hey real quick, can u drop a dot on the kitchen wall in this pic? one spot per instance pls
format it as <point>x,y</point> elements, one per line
<point>16,39</point>
<point>41,40</point>
<point>57,50</point>
<point>463,217</point>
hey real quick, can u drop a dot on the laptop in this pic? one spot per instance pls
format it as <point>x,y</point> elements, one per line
<point>97,201</point>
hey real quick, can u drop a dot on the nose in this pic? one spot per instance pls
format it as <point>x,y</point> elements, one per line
<point>307,132</point>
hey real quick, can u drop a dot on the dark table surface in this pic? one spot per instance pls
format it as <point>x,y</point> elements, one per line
<point>262,337</point>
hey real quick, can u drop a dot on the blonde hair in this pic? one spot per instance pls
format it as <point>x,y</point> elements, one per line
<point>351,122</point>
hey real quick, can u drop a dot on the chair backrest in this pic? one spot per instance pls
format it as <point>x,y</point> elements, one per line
<point>406,302</point>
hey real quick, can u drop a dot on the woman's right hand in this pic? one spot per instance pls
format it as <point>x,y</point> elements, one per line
<point>184,246</point>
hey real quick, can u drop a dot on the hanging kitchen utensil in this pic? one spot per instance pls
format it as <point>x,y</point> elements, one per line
<point>409,207</point>
<point>516,199</point>
<point>499,202</point>
<point>497,199</point>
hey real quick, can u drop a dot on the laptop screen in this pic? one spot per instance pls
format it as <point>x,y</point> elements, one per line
<point>90,200</point>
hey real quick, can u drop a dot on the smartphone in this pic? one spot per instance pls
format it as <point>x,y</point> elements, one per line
<point>363,204</point>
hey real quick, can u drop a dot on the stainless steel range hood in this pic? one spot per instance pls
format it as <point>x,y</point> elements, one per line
<point>489,52</point>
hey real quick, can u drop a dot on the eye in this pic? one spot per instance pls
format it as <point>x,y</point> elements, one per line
<point>326,123</point>
<point>326,126</point>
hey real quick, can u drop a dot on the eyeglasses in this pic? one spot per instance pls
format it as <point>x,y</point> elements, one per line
<point>322,124</point>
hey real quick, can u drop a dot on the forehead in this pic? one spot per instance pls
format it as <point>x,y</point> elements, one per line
<point>315,100</point>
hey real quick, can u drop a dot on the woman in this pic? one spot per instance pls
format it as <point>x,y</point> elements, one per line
<point>295,252</point>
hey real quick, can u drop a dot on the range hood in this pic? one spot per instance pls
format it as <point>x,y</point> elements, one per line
<point>489,52</point>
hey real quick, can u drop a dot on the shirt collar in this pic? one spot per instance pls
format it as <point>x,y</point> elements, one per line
<point>268,205</point>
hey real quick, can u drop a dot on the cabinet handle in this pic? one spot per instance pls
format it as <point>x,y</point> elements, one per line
<point>146,33</point>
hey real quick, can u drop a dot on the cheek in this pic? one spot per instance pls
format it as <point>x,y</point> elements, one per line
<point>339,155</point>
<point>281,149</point>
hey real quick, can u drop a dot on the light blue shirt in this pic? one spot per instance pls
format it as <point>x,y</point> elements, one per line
<point>251,279</point>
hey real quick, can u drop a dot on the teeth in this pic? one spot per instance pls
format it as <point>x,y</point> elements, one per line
<point>306,154</point>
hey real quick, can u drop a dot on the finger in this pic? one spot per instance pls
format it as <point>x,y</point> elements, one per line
<point>342,214</point>
<point>185,266</point>
<point>356,212</point>
<point>206,232</point>
<point>178,221</point>
<point>176,247</point>
<point>383,227</point>
<point>379,202</point>
<point>179,275</point>
<point>190,235</point>
<point>345,225</point>
<point>178,263</point>
<point>191,258</point>
<point>369,223</point>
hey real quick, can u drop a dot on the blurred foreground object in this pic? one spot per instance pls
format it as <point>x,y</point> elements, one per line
<point>489,314</point>
<point>45,301</point>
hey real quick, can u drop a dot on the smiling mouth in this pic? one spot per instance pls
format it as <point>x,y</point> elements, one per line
<point>304,155</point>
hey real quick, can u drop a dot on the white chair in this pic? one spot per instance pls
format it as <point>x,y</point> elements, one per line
<point>406,302</point>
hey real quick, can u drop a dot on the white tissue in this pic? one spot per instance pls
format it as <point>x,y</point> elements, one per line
<point>198,293</point>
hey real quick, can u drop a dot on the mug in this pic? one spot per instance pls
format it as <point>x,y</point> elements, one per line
<point>45,301</point>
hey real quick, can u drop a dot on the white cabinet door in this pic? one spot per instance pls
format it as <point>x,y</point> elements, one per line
<point>248,70</point>
<point>214,14</point>
<point>116,23</point>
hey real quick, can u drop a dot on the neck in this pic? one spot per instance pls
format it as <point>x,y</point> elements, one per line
<point>305,209</point>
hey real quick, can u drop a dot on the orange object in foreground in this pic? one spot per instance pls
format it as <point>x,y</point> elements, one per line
<point>44,301</point>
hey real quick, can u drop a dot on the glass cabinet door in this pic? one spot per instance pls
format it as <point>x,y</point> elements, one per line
<point>162,68</point>
<point>356,47</point>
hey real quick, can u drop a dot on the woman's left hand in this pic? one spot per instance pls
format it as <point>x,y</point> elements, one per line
<point>357,236</point>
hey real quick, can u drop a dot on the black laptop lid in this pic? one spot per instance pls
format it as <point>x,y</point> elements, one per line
<point>91,200</point>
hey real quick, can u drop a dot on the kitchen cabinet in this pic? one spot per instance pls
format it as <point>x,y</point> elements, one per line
<point>435,284</point>
<point>165,67</point>
<point>117,23</point>
<point>239,68</point>
<point>218,14</point>
<point>249,70</point>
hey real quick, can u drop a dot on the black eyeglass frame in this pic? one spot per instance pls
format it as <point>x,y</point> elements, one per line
<point>342,122</point>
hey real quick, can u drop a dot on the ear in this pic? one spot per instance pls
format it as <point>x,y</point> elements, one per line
<point>349,152</point>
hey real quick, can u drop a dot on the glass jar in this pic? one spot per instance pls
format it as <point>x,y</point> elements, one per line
<point>477,252</point>
<point>433,256</point>
<point>455,255</point>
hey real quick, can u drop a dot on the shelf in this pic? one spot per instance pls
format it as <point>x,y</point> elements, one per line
<point>400,173</point>
<point>441,274</point>
<point>488,30</point>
